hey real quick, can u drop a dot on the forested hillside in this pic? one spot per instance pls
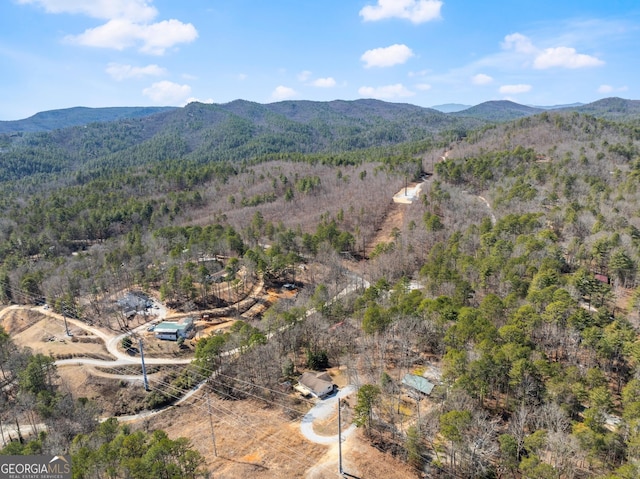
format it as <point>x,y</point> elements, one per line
<point>78,116</point>
<point>202,134</point>
<point>612,109</point>
<point>511,282</point>
<point>502,110</point>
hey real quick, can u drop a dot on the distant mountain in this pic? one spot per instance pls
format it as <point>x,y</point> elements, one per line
<point>340,111</point>
<point>77,116</point>
<point>556,107</point>
<point>451,107</point>
<point>204,133</point>
<point>617,109</point>
<point>252,129</point>
<point>502,110</point>
<point>243,129</point>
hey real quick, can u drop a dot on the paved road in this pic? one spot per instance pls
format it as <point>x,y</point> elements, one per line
<point>323,409</point>
<point>122,361</point>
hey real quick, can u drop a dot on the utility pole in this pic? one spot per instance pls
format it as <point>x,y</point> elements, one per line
<point>340,436</point>
<point>144,369</point>
<point>64,317</point>
<point>213,437</point>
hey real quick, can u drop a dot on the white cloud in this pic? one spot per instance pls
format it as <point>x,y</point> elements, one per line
<point>386,92</point>
<point>304,75</point>
<point>611,89</point>
<point>283,93</point>
<point>481,79</point>
<point>242,76</point>
<point>514,89</point>
<point>133,10</point>
<point>416,11</point>
<point>154,39</point>
<point>519,43</point>
<point>328,82</point>
<point>168,93</point>
<point>129,23</point>
<point>420,73</point>
<point>121,72</point>
<point>564,57</point>
<point>386,57</point>
<point>423,86</point>
<point>163,35</point>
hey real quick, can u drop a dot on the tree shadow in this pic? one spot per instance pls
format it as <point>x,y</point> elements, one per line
<point>257,466</point>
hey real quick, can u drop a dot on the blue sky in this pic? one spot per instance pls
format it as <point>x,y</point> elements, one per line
<point>97,53</point>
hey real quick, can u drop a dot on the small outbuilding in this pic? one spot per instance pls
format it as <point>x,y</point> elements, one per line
<point>315,384</point>
<point>417,384</point>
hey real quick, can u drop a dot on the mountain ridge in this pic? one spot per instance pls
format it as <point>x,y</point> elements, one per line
<point>613,108</point>
<point>240,130</point>
<point>76,116</point>
<point>498,110</point>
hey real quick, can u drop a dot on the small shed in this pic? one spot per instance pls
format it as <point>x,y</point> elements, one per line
<point>315,384</point>
<point>418,384</point>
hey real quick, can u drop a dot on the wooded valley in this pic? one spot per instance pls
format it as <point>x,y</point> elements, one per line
<point>511,282</point>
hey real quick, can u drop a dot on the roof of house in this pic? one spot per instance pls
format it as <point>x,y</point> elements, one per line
<point>418,383</point>
<point>173,326</point>
<point>316,383</point>
<point>324,377</point>
<point>167,327</point>
<point>134,301</point>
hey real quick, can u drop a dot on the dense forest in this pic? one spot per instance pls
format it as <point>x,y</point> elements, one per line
<point>515,274</point>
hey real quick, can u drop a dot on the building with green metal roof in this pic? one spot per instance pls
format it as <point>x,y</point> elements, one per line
<point>418,383</point>
<point>173,330</point>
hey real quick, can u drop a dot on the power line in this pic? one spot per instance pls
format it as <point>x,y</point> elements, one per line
<point>238,422</point>
<point>213,436</point>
